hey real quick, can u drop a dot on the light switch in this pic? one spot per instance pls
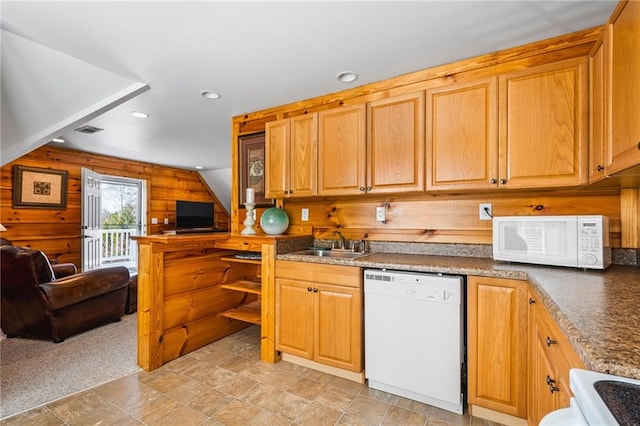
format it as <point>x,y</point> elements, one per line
<point>166,220</point>
<point>154,220</point>
<point>305,215</point>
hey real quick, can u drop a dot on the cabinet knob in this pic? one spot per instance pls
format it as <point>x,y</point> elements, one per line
<point>550,341</point>
<point>550,380</point>
<point>503,181</point>
<point>638,145</point>
<point>493,181</point>
<point>531,301</point>
<point>368,188</point>
<point>362,188</point>
<point>315,290</point>
<point>309,288</point>
<point>600,168</point>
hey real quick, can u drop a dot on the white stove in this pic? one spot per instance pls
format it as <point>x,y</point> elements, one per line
<point>588,407</point>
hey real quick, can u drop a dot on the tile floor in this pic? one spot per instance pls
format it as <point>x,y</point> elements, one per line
<point>225,383</point>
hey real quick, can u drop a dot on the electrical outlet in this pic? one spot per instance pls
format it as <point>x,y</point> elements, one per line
<point>485,211</point>
<point>166,220</point>
<point>381,214</point>
<point>154,220</point>
<point>305,215</point>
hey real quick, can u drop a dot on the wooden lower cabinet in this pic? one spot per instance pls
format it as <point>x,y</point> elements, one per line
<point>497,344</point>
<point>319,313</point>
<point>550,359</point>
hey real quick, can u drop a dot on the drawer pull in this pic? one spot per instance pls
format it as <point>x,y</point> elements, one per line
<point>550,383</point>
<point>551,342</point>
<point>531,301</point>
<point>600,168</point>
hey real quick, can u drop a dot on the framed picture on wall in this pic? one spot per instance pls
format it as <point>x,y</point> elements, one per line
<point>35,187</point>
<point>252,168</point>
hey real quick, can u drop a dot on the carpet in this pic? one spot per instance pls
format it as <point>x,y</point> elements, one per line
<point>36,372</point>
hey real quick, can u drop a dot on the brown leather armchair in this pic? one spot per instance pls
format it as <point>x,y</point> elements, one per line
<point>54,302</point>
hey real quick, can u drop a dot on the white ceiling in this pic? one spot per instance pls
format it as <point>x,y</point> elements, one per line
<point>256,54</point>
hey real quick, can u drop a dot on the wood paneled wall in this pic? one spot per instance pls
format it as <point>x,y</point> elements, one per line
<point>57,231</point>
<point>445,218</point>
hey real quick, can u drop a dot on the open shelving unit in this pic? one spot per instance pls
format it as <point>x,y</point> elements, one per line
<point>248,311</point>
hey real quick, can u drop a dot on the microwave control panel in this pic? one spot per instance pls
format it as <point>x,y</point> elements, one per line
<point>591,240</point>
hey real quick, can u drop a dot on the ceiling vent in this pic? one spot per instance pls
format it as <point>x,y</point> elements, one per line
<point>88,129</point>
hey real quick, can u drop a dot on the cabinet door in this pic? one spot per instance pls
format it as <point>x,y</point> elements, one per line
<point>342,151</point>
<point>623,147</point>
<point>543,125</point>
<point>462,135</point>
<point>395,144</point>
<point>294,317</point>
<point>303,156</point>
<point>597,108</point>
<point>338,318</point>
<point>497,344</point>
<point>277,158</point>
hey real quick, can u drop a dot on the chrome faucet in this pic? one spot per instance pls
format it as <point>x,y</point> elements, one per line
<point>343,241</point>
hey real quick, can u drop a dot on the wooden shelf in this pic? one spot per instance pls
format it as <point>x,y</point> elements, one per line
<point>237,260</point>
<point>247,286</point>
<point>247,313</point>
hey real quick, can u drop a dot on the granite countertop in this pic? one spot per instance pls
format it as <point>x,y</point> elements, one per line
<point>599,311</point>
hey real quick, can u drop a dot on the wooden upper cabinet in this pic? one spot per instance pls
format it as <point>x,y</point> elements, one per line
<point>395,144</point>
<point>597,105</point>
<point>497,327</point>
<point>462,135</point>
<point>623,144</point>
<point>277,143</point>
<point>543,117</point>
<point>291,151</point>
<point>342,151</point>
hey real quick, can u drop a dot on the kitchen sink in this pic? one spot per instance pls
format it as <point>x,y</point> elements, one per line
<point>335,254</point>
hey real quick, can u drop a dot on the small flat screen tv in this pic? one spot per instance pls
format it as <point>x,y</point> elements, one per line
<point>194,214</point>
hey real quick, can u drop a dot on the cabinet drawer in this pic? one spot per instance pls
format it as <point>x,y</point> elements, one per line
<point>349,276</point>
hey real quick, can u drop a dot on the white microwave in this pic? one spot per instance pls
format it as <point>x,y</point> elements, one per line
<point>575,241</point>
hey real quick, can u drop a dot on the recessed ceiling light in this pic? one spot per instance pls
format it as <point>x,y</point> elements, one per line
<point>59,140</point>
<point>347,76</point>
<point>139,114</point>
<point>210,94</point>
<point>199,167</point>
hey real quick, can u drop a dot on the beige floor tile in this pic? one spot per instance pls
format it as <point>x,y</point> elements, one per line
<point>168,381</point>
<point>236,385</point>
<point>287,405</point>
<point>210,402</point>
<point>178,415</point>
<point>317,376</point>
<point>40,416</point>
<point>400,416</point>
<point>280,379</point>
<point>345,385</point>
<point>237,413</point>
<point>317,414</point>
<point>438,416</point>
<point>267,418</point>
<point>261,395</point>
<point>348,420</point>
<point>307,388</point>
<point>368,409</point>
<point>237,364</point>
<point>335,398</point>
<point>188,391</point>
<point>128,393</point>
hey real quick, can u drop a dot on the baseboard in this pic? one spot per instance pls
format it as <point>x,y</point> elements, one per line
<point>349,375</point>
<point>496,416</point>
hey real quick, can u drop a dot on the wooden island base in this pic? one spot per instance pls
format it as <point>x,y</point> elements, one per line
<point>192,291</point>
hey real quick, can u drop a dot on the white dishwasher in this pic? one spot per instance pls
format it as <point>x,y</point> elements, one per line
<point>414,336</point>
